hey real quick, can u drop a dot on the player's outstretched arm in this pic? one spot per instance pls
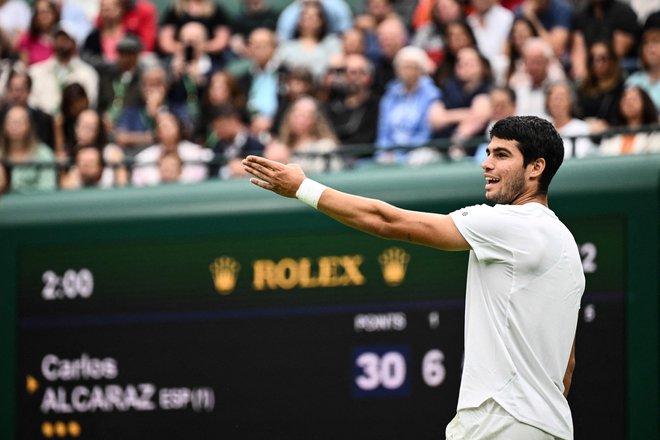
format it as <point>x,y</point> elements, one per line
<point>368,215</point>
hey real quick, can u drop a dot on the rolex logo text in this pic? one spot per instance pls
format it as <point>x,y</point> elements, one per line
<point>289,273</point>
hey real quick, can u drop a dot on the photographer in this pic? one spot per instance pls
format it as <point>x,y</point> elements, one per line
<point>208,13</point>
<point>190,68</point>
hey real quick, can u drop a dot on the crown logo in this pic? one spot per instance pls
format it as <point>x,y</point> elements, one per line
<point>225,273</point>
<point>393,264</point>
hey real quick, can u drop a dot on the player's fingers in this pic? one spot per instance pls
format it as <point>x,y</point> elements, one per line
<point>262,161</point>
<point>257,172</point>
<point>261,183</point>
<point>260,168</point>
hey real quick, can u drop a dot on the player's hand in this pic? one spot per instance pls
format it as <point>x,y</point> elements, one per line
<point>274,176</point>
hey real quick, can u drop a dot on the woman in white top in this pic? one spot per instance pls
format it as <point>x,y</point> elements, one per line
<point>560,102</point>
<point>170,138</point>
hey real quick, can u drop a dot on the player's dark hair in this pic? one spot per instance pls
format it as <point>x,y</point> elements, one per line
<point>536,138</point>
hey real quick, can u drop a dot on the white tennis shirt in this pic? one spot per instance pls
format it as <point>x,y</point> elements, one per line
<point>524,286</point>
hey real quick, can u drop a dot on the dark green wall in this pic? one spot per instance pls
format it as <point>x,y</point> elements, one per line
<point>624,190</point>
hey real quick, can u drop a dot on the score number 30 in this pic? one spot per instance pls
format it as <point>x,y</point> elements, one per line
<point>71,285</point>
<point>385,372</point>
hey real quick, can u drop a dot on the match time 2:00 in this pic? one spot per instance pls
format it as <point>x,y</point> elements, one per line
<point>384,371</point>
<point>72,284</point>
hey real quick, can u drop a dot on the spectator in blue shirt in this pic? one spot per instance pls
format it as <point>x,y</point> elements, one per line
<point>403,112</point>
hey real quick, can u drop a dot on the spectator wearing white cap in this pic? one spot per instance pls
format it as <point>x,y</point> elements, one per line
<point>64,67</point>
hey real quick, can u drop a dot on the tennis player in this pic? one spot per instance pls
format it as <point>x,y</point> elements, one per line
<point>524,282</point>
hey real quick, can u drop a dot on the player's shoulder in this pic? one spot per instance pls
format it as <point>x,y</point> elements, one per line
<point>505,210</point>
<point>471,212</point>
<point>505,215</point>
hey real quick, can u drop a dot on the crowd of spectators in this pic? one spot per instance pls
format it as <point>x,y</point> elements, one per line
<point>107,93</point>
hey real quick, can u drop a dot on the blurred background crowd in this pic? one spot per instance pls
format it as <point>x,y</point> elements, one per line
<point>109,93</point>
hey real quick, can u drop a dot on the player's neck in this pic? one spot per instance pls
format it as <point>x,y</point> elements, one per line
<point>531,197</point>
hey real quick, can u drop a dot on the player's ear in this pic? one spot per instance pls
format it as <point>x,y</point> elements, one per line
<point>537,167</point>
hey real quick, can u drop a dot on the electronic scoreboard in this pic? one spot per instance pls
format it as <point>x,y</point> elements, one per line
<point>221,311</point>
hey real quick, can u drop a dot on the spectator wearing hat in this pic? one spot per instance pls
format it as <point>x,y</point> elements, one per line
<point>648,78</point>
<point>62,68</point>
<point>119,85</point>
<point>233,142</point>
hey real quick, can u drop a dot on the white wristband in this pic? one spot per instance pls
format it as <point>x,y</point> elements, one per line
<point>310,192</point>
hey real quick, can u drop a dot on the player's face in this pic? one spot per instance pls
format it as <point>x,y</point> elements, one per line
<point>504,172</point>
